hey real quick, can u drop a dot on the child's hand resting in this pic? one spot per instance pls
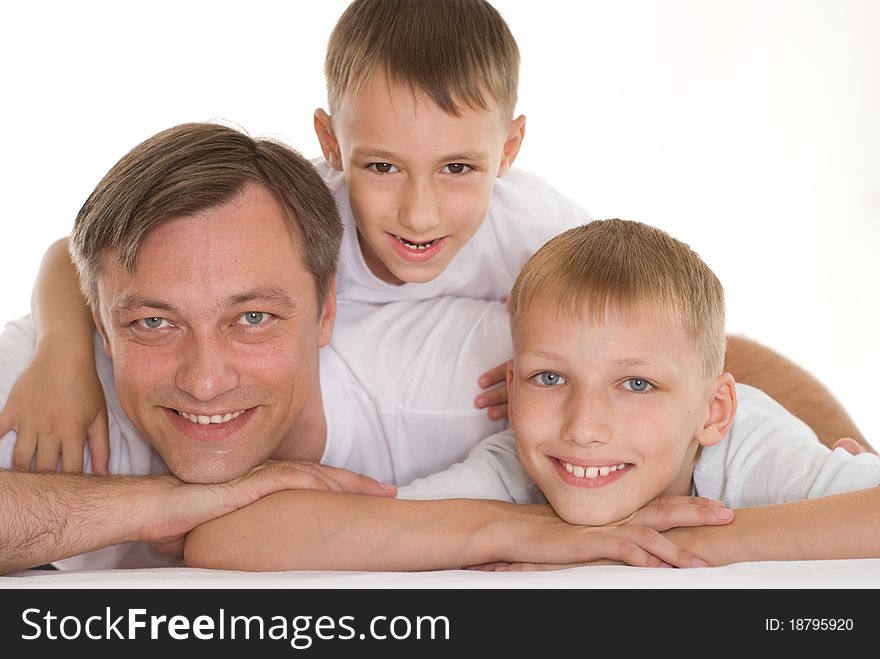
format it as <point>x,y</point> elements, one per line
<point>496,398</point>
<point>55,407</point>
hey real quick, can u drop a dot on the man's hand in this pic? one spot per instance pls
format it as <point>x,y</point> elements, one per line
<point>496,397</point>
<point>194,504</point>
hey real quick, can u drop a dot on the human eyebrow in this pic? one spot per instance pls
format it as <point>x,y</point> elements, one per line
<point>541,355</point>
<point>473,156</point>
<point>262,294</point>
<point>375,153</point>
<point>131,301</point>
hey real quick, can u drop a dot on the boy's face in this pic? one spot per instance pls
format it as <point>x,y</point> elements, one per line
<point>607,416</point>
<point>419,180</point>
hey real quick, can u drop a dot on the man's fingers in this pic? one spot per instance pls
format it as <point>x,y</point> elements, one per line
<point>354,483</point>
<point>670,511</point>
<point>47,454</point>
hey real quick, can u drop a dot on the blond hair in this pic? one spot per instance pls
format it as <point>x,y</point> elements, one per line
<point>626,265</point>
<point>457,52</point>
<point>190,168</point>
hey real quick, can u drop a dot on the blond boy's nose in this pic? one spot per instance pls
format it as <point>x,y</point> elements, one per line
<point>586,420</point>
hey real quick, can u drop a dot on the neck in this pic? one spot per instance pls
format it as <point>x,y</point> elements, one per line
<point>307,438</point>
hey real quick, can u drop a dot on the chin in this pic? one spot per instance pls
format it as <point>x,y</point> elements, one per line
<point>206,472</point>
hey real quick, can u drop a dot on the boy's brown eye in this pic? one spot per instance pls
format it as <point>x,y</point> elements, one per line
<point>457,168</point>
<point>383,167</point>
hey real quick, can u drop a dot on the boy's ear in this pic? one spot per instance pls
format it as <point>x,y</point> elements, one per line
<point>510,394</point>
<point>328,314</point>
<point>512,144</point>
<point>327,138</point>
<point>722,408</point>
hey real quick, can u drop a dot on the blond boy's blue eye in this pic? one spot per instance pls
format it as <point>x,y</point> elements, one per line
<point>637,385</point>
<point>548,379</point>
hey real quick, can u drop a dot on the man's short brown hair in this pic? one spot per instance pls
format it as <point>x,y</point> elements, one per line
<point>190,168</point>
<point>457,52</point>
<point>627,266</point>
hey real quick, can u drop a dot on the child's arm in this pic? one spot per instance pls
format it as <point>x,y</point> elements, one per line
<point>307,530</point>
<point>836,526</point>
<point>798,391</point>
<point>57,404</point>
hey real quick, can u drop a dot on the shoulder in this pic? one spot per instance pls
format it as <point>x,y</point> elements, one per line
<point>526,195</point>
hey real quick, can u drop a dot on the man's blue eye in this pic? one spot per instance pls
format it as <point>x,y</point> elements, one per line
<point>153,322</point>
<point>254,317</point>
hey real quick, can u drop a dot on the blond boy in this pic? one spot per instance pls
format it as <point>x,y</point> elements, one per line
<point>618,395</point>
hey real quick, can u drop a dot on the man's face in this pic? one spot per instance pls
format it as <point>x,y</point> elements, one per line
<point>419,180</point>
<point>215,338</point>
<point>606,416</point>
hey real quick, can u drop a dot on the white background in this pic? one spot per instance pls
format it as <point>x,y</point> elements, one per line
<point>749,129</point>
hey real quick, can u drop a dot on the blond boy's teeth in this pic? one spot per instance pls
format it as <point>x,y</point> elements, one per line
<point>590,472</point>
<point>204,420</point>
<point>415,245</point>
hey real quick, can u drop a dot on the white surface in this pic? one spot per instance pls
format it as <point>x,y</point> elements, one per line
<point>770,574</point>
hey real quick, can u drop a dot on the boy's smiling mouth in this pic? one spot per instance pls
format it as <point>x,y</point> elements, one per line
<point>416,250</point>
<point>590,476</point>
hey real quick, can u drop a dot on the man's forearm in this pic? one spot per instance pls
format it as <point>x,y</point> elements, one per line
<point>838,526</point>
<point>793,387</point>
<point>47,517</point>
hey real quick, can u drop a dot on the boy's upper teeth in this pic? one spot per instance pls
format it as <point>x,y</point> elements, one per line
<point>590,472</point>
<point>204,419</point>
<point>415,245</point>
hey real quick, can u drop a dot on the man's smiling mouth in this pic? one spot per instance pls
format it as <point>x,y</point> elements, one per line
<point>204,419</point>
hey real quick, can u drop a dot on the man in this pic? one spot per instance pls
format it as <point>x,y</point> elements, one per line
<point>207,259</point>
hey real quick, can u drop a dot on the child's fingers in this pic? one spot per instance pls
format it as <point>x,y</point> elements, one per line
<point>498,412</point>
<point>47,454</point>
<point>99,444</point>
<point>495,375</point>
<point>7,424</point>
<point>23,453</point>
<point>71,457</point>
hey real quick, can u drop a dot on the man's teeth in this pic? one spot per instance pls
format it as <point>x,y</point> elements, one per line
<point>415,245</point>
<point>591,472</point>
<point>204,420</point>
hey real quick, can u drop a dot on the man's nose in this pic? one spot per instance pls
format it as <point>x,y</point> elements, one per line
<point>420,208</point>
<point>206,369</point>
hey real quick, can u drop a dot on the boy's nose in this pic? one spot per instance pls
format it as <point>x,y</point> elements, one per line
<point>587,420</point>
<point>420,209</point>
<point>205,370</point>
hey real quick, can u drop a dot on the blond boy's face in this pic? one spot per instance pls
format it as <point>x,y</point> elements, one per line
<point>419,180</point>
<point>606,416</point>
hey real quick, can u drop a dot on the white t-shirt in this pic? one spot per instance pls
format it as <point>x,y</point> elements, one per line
<point>768,456</point>
<point>524,213</point>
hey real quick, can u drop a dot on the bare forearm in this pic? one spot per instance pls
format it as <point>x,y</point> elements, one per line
<point>305,530</point>
<point>838,526</point>
<point>47,517</point>
<point>57,306</point>
<point>793,387</point>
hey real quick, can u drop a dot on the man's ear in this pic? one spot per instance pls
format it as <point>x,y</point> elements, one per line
<point>510,393</point>
<point>328,314</point>
<point>327,138</point>
<point>515,136</point>
<point>720,413</point>
<point>96,318</point>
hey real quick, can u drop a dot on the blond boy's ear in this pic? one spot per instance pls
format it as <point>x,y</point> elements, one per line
<point>722,408</point>
<point>512,144</point>
<point>327,138</point>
